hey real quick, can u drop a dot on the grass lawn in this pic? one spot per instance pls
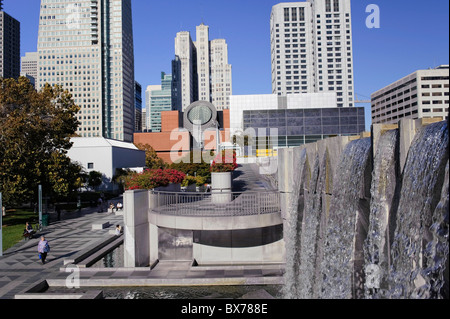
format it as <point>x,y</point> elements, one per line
<point>14,224</point>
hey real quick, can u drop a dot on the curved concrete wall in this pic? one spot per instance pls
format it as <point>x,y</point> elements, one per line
<point>215,223</point>
<point>207,240</point>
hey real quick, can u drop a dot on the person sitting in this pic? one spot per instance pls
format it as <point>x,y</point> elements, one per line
<point>119,206</point>
<point>28,232</point>
<point>111,208</point>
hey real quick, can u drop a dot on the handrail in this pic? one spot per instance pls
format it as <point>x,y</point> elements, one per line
<point>201,204</point>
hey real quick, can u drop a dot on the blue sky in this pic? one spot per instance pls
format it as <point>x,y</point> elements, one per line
<point>413,35</point>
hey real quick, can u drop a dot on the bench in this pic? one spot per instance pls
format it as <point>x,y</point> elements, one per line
<point>29,235</point>
<point>101,225</point>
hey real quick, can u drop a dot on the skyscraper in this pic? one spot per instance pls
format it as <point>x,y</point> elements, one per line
<point>200,70</point>
<point>203,63</point>
<point>138,107</point>
<point>311,48</point>
<point>158,99</point>
<point>87,47</point>
<point>29,66</point>
<point>184,68</point>
<point>9,45</point>
<point>221,81</point>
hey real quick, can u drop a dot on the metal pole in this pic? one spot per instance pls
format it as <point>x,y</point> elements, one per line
<point>40,204</point>
<point>1,226</point>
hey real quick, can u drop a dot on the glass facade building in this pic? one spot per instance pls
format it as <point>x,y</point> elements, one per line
<point>87,47</point>
<point>302,126</point>
<point>159,99</point>
<point>9,46</point>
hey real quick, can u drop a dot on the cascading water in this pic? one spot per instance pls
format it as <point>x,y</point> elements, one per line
<point>382,210</point>
<point>293,226</point>
<point>436,274</point>
<point>421,191</point>
<point>341,260</point>
<point>385,234</point>
<point>311,236</point>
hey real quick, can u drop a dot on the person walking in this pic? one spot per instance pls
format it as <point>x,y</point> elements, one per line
<point>43,249</point>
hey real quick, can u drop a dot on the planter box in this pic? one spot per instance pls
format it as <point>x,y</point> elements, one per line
<point>190,189</point>
<point>221,181</point>
<point>170,188</point>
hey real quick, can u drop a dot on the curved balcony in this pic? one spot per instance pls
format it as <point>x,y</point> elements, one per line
<point>197,211</point>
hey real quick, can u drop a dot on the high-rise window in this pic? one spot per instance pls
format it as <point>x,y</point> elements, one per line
<point>294,14</point>
<point>302,14</point>
<point>286,14</point>
<point>336,5</point>
<point>328,5</point>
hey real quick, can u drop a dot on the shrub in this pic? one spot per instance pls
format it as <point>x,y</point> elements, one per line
<point>224,162</point>
<point>153,178</point>
<point>189,180</point>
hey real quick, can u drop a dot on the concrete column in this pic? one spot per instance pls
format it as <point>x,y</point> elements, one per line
<point>154,244</point>
<point>407,133</point>
<point>137,239</point>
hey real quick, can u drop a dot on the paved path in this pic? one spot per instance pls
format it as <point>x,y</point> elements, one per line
<point>20,266</point>
<point>21,269</point>
<point>247,178</point>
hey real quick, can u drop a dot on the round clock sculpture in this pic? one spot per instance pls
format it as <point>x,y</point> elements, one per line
<point>199,117</point>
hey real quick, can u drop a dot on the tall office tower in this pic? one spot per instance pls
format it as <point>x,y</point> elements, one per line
<point>200,70</point>
<point>311,49</point>
<point>158,99</point>
<point>183,70</point>
<point>9,45</point>
<point>29,66</point>
<point>221,81</point>
<point>87,47</point>
<point>138,107</point>
<point>203,63</point>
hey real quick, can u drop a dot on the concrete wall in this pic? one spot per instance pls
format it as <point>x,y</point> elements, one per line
<point>150,237</point>
<point>137,231</point>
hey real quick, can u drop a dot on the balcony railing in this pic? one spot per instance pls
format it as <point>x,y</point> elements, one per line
<point>203,205</point>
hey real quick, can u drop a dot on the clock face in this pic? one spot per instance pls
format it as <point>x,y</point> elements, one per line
<point>200,115</point>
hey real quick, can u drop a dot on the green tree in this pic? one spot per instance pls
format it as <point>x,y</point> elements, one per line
<point>95,179</point>
<point>35,132</point>
<point>152,160</point>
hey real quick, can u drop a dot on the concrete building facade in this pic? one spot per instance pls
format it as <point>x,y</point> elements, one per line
<point>29,64</point>
<point>9,46</point>
<point>295,119</point>
<point>201,71</point>
<point>421,94</point>
<point>311,49</point>
<point>183,72</point>
<point>105,156</point>
<point>87,47</point>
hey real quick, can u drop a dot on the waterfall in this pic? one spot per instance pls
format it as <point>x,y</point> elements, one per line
<point>341,268</point>
<point>423,178</point>
<point>382,232</point>
<point>293,226</point>
<point>382,213</point>
<point>311,232</point>
<point>436,274</point>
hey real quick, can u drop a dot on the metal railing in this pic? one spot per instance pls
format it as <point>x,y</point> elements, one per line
<point>204,205</point>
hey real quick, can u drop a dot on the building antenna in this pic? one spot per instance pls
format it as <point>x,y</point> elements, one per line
<point>202,13</point>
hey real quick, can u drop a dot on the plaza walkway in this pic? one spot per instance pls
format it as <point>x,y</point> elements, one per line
<point>20,268</point>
